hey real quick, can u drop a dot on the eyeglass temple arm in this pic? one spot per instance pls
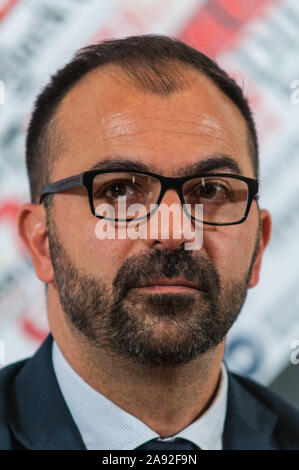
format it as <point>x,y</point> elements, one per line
<point>62,185</point>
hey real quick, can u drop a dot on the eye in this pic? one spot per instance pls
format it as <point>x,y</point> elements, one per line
<point>212,191</point>
<point>119,189</point>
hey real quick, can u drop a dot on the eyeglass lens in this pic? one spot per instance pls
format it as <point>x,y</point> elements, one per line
<point>224,199</point>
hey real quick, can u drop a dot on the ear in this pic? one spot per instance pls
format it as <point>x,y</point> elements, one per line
<point>32,229</point>
<point>266,226</point>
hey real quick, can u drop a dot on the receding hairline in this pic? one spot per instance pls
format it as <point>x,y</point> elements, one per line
<point>54,136</point>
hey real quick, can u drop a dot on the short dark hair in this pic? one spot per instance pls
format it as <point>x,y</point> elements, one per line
<point>155,63</point>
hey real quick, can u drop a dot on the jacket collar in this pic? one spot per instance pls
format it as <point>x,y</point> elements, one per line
<point>39,417</point>
<point>36,404</point>
<point>249,423</point>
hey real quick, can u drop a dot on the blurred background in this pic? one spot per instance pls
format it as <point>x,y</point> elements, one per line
<point>257,42</point>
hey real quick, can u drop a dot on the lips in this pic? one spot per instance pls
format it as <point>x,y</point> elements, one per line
<point>179,282</point>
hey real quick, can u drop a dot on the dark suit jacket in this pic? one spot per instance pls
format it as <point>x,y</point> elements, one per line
<point>33,413</point>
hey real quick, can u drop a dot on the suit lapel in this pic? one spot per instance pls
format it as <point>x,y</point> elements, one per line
<point>249,423</point>
<point>38,416</point>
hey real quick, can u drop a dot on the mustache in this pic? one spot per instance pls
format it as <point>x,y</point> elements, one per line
<point>147,267</point>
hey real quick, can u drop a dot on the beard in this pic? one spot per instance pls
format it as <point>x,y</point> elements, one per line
<point>151,328</point>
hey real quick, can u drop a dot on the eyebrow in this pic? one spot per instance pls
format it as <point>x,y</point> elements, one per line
<point>209,164</point>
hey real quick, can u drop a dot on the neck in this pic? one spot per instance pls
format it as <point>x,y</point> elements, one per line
<point>167,399</point>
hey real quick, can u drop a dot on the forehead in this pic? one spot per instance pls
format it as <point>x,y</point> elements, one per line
<point>107,116</point>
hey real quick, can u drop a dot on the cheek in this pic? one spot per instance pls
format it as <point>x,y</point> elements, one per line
<point>230,249</point>
<point>105,256</point>
<point>78,232</point>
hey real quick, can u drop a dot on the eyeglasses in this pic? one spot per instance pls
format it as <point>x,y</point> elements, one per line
<point>226,198</point>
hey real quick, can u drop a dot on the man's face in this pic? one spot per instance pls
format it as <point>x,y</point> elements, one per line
<point>103,285</point>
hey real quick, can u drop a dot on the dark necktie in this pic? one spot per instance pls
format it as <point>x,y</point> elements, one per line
<point>177,444</point>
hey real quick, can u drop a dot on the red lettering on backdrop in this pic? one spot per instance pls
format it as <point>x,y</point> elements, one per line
<point>5,9</point>
<point>32,330</point>
<point>8,211</point>
<point>218,23</point>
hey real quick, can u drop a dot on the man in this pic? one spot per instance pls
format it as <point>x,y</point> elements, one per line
<point>138,325</point>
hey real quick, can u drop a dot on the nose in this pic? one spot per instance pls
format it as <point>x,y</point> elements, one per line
<point>170,227</point>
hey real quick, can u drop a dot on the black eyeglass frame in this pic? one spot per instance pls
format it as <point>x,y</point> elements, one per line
<point>86,179</point>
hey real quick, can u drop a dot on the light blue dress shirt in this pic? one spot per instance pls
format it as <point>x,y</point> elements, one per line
<point>105,426</point>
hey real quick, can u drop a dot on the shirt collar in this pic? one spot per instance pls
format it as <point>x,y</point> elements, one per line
<point>105,426</point>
